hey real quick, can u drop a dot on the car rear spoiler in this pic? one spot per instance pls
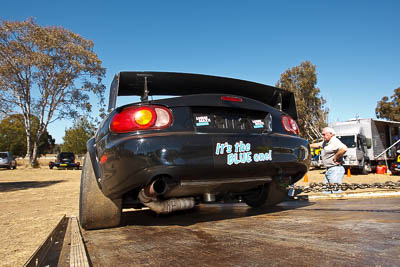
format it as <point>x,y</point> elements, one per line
<point>171,83</point>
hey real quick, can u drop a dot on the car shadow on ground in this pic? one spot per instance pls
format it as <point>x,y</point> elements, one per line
<point>16,186</point>
<point>205,213</point>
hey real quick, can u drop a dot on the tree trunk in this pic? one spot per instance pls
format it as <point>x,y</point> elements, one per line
<point>28,147</point>
<point>27,123</point>
<point>34,163</point>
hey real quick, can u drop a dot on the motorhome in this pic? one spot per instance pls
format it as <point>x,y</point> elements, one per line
<point>370,142</point>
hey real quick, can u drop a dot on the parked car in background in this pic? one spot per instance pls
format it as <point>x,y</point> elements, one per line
<point>7,160</point>
<point>65,160</point>
<point>217,139</point>
<point>316,160</point>
<point>395,168</point>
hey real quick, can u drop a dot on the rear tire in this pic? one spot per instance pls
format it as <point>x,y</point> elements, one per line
<point>366,168</point>
<point>96,210</point>
<point>267,195</point>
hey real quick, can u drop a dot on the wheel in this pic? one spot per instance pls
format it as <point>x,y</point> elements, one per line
<point>96,210</point>
<point>366,168</point>
<point>267,195</point>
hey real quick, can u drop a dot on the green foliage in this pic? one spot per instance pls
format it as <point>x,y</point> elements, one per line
<point>13,136</point>
<point>49,72</point>
<point>76,137</point>
<point>390,110</point>
<point>312,115</point>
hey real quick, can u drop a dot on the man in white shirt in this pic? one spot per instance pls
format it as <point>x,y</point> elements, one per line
<point>332,156</point>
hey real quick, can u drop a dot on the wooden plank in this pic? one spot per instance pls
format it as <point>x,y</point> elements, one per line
<point>78,256</point>
<point>63,260</point>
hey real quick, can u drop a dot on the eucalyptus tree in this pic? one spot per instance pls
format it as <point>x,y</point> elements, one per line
<point>76,137</point>
<point>389,109</point>
<point>13,136</point>
<point>46,71</point>
<point>312,115</point>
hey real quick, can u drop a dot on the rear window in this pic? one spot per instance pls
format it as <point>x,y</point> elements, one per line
<point>66,155</point>
<point>228,119</point>
<point>3,155</point>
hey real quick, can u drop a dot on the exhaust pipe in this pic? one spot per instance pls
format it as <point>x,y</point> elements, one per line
<point>157,188</point>
<point>148,196</point>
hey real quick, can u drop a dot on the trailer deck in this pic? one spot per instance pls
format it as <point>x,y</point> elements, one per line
<point>335,232</point>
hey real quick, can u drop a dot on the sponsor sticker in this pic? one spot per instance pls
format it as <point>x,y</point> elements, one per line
<point>258,124</point>
<point>202,120</point>
<point>240,153</point>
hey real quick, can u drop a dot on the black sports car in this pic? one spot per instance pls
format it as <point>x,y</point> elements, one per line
<point>216,139</point>
<point>65,160</point>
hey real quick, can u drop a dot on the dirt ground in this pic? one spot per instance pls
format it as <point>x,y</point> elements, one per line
<point>34,200</point>
<point>32,203</point>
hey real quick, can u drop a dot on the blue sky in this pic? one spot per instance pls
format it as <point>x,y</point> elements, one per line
<point>354,44</point>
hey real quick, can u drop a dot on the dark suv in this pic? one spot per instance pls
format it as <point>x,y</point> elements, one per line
<point>7,160</point>
<point>65,160</point>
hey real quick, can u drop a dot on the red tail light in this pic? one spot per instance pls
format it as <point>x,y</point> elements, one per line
<point>103,159</point>
<point>290,124</point>
<point>141,118</point>
<point>231,98</point>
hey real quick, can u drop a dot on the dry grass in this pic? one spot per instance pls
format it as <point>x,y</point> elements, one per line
<point>24,163</point>
<point>317,176</point>
<point>32,203</point>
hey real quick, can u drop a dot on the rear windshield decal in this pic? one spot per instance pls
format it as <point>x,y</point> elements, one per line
<point>258,124</point>
<point>202,120</point>
<point>240,152</point>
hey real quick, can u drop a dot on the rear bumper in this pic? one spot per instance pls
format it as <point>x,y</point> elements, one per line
<point>133,161</point>
<point>64,165</point>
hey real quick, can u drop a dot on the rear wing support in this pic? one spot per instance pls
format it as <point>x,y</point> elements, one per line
<point>112,102</point>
